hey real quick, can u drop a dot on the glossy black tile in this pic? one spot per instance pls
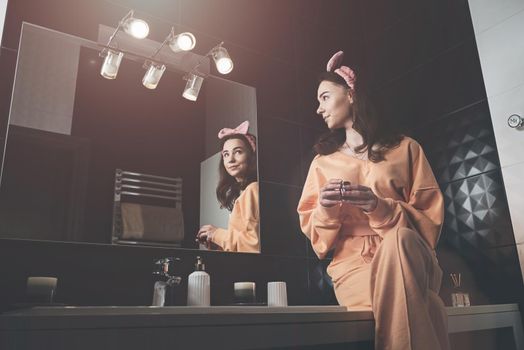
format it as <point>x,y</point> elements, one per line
<point>281,234</point>
<point>445,23</point>
<point>380,15</point>
<point>307,85</point>
<point>123,275</point>
<point>274,81</point>
<point>308,138</point>
<point>239,22</point>
<point>315,44</point>
<point>279,156</point>
<point>461,144</point>
<point>336,13</point>
<point>457,78</point>
<point>7,72</point>
<point>489,275</point>
<point>320,284</point>
<point>394,51</point>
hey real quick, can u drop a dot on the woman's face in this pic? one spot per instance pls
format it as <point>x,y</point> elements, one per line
<point>235,158</point>
<point>334,101</point>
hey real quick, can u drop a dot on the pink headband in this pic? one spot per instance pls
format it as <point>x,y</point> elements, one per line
<point>239,130</point>
<point>334,65</point>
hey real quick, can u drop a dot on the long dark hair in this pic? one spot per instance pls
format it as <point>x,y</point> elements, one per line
<point>377,133</point>
<point>228,188</point>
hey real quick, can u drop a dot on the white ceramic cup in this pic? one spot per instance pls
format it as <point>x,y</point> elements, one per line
<point>276,294</point>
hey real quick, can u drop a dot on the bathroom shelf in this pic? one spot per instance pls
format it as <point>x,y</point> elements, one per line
<point>229,327</point>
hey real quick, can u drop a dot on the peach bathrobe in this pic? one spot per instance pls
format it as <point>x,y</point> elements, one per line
<point>385,259</point>
<point>242,232</point>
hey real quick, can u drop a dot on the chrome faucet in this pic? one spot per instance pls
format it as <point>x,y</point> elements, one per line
<point>163,270</point>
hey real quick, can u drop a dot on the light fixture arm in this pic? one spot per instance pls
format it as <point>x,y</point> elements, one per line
<point>120,25</point>
<point>201,60</point>
<point>214,49</point>
<point>169,37</point>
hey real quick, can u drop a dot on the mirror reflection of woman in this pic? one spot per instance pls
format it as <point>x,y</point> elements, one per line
<point>371,197</point>
<point>237,191</point>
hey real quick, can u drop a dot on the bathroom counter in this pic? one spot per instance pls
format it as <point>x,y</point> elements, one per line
<point>219,327</point>
<point>136,327</point>
<point>65,317</point>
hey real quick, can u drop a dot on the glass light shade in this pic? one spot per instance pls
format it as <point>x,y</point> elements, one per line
<point>111,64</point>
<point>136,27</point>
<point>182,42</point>
<point>193,85</point>
<point>223,62</point>
<point>153,75</point>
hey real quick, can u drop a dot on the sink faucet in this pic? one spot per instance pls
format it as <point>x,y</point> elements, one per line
<point>165,280</point>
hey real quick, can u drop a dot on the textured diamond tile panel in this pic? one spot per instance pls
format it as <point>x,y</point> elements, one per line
<point>476,212</point>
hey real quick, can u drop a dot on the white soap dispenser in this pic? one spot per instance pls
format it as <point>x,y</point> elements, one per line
<point>198,286</point>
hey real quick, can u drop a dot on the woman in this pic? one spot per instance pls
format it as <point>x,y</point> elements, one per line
<point>237,191</point>
<point>370,196</point>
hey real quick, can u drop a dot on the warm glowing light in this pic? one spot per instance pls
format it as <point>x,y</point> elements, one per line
<point>136,27</point>
<point>224,65</point>
<point>111,64</point>
<point>153,75</point>
<point>193,85</point>
<point>223,62</point>
<point>183,42</point>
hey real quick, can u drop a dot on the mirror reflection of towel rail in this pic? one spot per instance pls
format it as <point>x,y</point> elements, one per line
<point>123,172</point>
<point>151,189</point>
<point>153,216</point>
<point>126,179</point>
<point>150,195</point>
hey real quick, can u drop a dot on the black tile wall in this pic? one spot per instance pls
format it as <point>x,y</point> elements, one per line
<point>279,155</point>
<point>308,137</point>
<point>462,144</point>
<point>320,284</point>
<point>423,63</point>
<point>278,207</point>
<point>123,275</point>
<point>306,86</point>
<point>239,22</point>
<point>7,72</point>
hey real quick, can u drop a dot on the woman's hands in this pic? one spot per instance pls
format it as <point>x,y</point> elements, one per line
<point>336,191</point>
<point>205,235</point>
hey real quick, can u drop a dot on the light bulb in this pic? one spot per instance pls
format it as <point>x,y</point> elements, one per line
<point>224,65</point>
<point>193,85</point>
<point>153,75</point>
<point>136,27</point>
<point>111,64</point>
<point>183,42</point>
<point>223,62</point>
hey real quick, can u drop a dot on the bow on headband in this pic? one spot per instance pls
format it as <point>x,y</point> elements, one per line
<point>334,65</point>
<point>239,130</point>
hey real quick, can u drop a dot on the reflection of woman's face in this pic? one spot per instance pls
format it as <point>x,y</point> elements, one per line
<point>235,157</point>
<point>333,104</point>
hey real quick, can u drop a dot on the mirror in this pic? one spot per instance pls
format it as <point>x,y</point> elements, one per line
<point>89,159</point>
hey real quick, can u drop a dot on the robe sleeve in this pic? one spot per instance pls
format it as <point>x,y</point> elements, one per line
<point>242,234</point>
<point>320,224</point>
<point>422,211</point>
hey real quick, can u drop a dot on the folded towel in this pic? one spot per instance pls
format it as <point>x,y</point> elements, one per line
<point>152,223</point>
